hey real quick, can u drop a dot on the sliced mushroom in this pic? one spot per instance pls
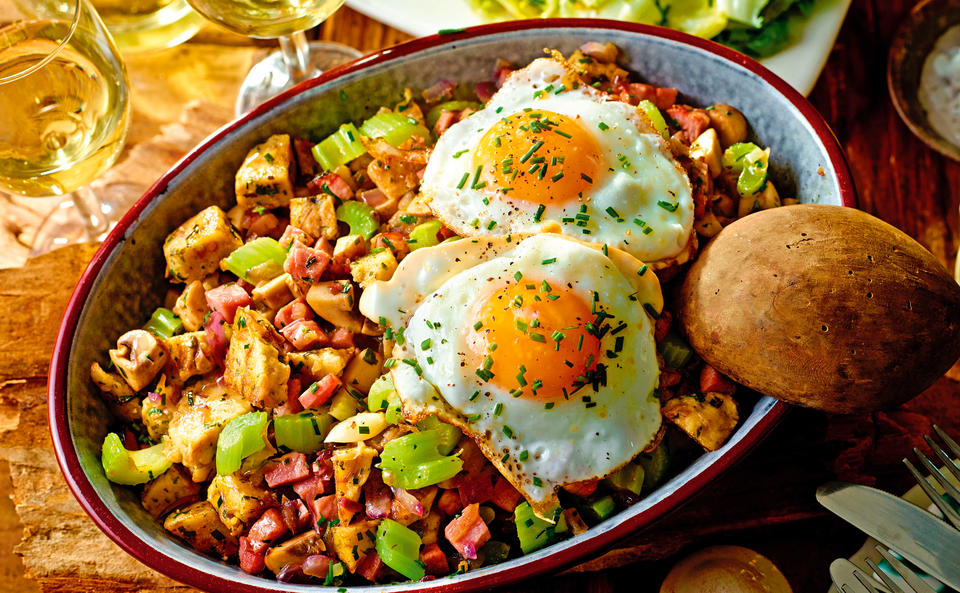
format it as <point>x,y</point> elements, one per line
<point>139,356</point>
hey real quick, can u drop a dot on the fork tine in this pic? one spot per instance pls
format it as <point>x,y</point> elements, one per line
<point>918,585</point>
<point>954,448</point>
<point>867,581</point>
<point>948,486</point>
<point>894,588</point>
<point>931,492</point>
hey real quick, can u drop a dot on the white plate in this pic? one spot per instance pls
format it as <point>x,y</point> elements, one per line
<point>799,64</point>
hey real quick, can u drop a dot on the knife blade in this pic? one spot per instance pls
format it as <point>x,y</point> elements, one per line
<point>915,534</point>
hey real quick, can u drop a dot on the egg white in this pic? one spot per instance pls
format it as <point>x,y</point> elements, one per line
<point>643,204</point>
<point>569,442</point>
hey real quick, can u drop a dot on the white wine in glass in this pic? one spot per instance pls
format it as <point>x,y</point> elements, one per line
<point>286,20</point>
<point>143,25</point>
<point>64,110</point>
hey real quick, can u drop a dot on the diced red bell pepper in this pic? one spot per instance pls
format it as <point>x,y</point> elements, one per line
<point>294,310</point>
<point>370,567</point>
<point>712,381</point>
<point>304,334</point>
<point>305,265</point>
<point>319,392</point>
<point>449,502</point>
<point>693,122</point>
<point>290,468</point>
<point>582,488</point>
<point>505,495</point>
<point>434,560</point>
<point>251,556</point>
<point>341,337</point>
<point>477,488</point>
<point>331,183</point>
<point>377,497</point>
<point>226,299</point>
<point>467,533</point>
<point>269,527</point>
<point>290,233</point>
<point>296,515</point>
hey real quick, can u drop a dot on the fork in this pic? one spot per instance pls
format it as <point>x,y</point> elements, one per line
<point>948,463</point>
<point>848,578</point>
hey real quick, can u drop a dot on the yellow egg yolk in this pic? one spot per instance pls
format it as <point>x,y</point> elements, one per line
<point>530,338</point>
<point>537,156</point>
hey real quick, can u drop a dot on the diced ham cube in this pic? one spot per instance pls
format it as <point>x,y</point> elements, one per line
<point>296,515</point>
<point>251,556</point>
<point>268,528</point>
<point>305,265</point>
<point>290,468</point>
<point>449,502</point>
<point>311,488</point>
<point>662,326</point>
<point>467,533</point>
<point>693,122</point>
<point>331,183</point>
<point>583,488</point>
<point>477,488</point>
<point>434,560</point>
<point>349,505</point>
<point>712,381</point>
<point>217,341</point>
<point>370,567</point>
<point>296,309</point>
<point>484,90</point>
<point>263,225</point>
<point>377,497</point>
<point>441,90</point>
<point>320,391</point>
<point>341,337</point>
<point>324,508</point>
<point>505,495</point>
<point>392,240</point>
<point>290,233</point>
<point>304,335</point>
<point>447,118</point>
<point>226,299</point>
<point>324,245</point>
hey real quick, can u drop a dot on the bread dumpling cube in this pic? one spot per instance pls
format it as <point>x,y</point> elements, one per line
<point>264,178</point>
<point>195,249</point>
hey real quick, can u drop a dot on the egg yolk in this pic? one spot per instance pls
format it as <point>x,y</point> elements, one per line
<point>531,339</point>
<point>537,156</point>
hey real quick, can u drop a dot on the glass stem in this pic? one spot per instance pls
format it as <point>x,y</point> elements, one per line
<point>87,202</point>
<point>296,56</point>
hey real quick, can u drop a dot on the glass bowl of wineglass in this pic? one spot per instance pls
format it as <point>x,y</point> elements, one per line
<point>64,111</point>
<point>286,20</point>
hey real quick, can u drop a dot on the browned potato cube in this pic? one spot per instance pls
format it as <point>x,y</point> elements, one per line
<point>253,364</point>
<point>709,418</point>
<point>240,500</point>
<point>172,489</point>
<point>352,543</point>
<point>195,249</point>
<point>264,178</point>
<point>199,526</point>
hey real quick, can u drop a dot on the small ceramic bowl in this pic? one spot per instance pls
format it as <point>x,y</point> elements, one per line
<point>911,45</point>
<point>125,279</point>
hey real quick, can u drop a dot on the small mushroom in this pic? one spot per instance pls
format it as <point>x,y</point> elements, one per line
<point>139,356</point>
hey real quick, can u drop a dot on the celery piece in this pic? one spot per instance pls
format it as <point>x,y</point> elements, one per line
<point>258,254</point>
<point>413,461</point>
<point>378,398</point>
<point>629,477</point>
<point>675,351</point>
<point>449,434</point>
<point>339,148</point>
<point>601,508</point>
<point>343,405</point>
<point>424,235</point>
<point>241,437</point>
<point>399,548</point>
<point>437,110</point>
<point>754,174</point>
<point>164,324</point>
<point>393,128</point>
<point>131,467</point>
<point>394,409</point>
<point>659,124</point>
<point>735,154</point>
<point>532,531</point>
<point>655,465</point>
<point>360,217</point>
<point>303,432</point>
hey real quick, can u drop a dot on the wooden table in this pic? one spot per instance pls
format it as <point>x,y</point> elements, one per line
<point>765,503</point>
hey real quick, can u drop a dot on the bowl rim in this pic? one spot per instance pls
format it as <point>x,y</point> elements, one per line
<point>116,530</point>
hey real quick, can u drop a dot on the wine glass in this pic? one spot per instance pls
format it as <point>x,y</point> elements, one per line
<point>64,110</point>
<point>144,25</point>
<point>297,60</point>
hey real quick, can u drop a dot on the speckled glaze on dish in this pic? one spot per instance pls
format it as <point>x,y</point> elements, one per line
<point>125,279</point>
<point>916,37</point>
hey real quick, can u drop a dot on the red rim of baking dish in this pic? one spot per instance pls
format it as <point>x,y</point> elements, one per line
<point>564,556</point>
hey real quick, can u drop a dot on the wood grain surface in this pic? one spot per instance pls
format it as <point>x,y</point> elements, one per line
<point>765,503</point>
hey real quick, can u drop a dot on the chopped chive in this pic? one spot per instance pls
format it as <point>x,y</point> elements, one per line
<point>559,90</point>
<point>522,326</point>
<point>523,455</point>
<point>564,134</point>
<point>541,209</point>
<point>491,225</point>
<point>586,178</point>
<point>477,325</point>
<point>668,206</point>
<point>603,126</point>
<point>476,176</point>
<point>557,177</point>
<point>505,458</point>
<point>548,406</point>
<point>518,276</point>
<point>551,260</point>
<point>647,230</point>
<point>642,270</point>
<point>475,395</point>
<point>473,417</point>
<point>537,337</point>
<point>463,180</point>
<point>425,345</point>
<point>612,212</point>
<point>449,31</point>
<point>457,155</point>
<point>487,363</point>
<point>537,482</point>
<point>508,431</point>
<point>532,150</point>
<point>498,409</point>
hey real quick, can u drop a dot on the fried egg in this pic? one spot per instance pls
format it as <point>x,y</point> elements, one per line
<point>541,351</point>
<point>547,153</point>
